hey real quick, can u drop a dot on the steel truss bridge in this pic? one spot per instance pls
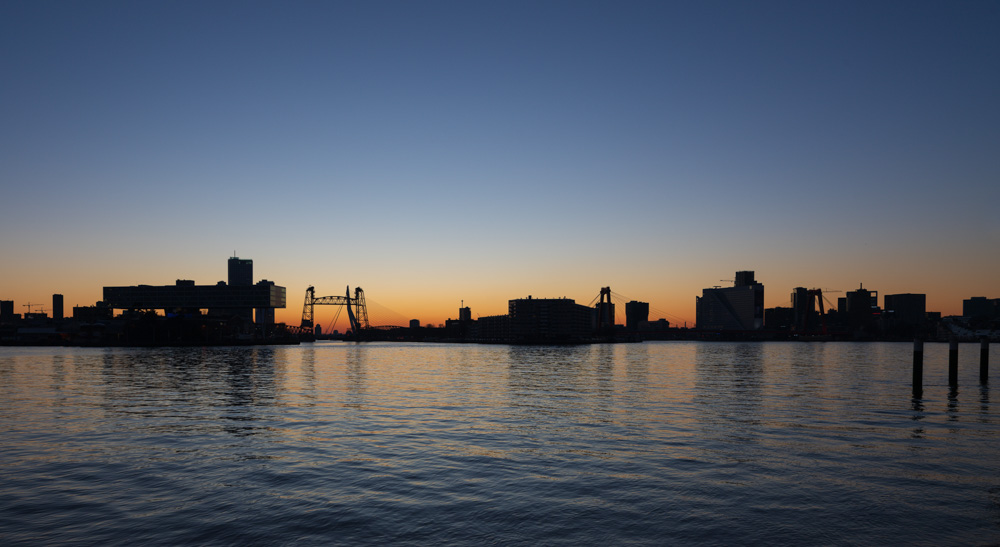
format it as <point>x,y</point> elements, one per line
<point>357,310</point>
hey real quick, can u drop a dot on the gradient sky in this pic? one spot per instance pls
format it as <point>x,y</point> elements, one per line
<point>434,152</point>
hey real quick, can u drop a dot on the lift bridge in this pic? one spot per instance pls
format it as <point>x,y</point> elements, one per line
<point>357,311</point>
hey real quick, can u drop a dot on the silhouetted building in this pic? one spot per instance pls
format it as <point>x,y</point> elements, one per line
<point>907,308</point>
<point>57,307</point>
<point>981,307</point>
<point>184,297</point>
<point>904,314</point>
<point>779,319</point>
<point>603,315</point>
<point>465,314</point>
<point>92,314</point>
<point>636,313</point>
<point>807,311</point>
<point>493,328</point>
<point>6,310</point>
<point>744,278</point>
<point>732,308</point>
<point>240,272</point>
<point>265,315</point>
<point>241,275</point>
<point>862,311</point>
<point>414,323</point>
<point>545,320</point>
<point>800,308</point>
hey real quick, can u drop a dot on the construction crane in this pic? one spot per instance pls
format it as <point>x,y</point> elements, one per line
<point>357,310</point>
<point>40,307</point>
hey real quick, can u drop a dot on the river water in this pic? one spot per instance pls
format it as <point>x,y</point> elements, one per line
<point>662,443</point>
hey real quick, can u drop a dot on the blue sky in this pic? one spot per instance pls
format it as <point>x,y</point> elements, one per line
<point>439,151</point>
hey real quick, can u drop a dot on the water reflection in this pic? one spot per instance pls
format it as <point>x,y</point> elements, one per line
<point>307,375</point>
<point>917,405</point>
<point>728,396</point>
<point>952,411</point>
<point>356,380</point>
<point>661,443</point>
<point>984,403</point>
<point>637,363</point>
<point>187,390</point>
<point>250,381</point>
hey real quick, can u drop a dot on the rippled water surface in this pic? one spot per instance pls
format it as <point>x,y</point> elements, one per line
<point>654,443</point>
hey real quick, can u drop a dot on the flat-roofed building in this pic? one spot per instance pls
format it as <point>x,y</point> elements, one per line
<point>732,308</point>
<point>636,313</point>
<point>239,298</point>
<point>558,320</point>
<point>185,295</point>
<point>906,309</point>
<point>980,306</point>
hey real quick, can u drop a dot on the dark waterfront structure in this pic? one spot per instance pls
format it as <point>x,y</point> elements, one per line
<point>779,319</point>
<point>57,307</point>
<point>636,313</point>
<point>95,313</point>
<point>493,328</point>
<point>186,297</point>
<point>860,308</point>
<point>981,307</point>
<point>240,272</point>
<point>234,302</point>
<point>737,308</point>
<point>904,315</point>
<point>6,310</point>
<point>241,275</point>
<point>549,320</point>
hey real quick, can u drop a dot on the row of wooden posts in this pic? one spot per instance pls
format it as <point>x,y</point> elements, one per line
<point>918,363</point>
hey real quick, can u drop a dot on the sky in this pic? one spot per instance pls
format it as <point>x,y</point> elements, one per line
<point>438,153</point>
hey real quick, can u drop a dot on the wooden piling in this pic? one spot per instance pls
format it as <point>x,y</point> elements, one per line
<point>953,362</point>
<point>918,367</point>
<point>984,360</point>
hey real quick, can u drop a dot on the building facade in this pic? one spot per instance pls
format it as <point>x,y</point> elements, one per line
<point>737,308</point>
<point>549,320</point>
<point>239,298</point>
<point>981,307</point>
<point>636,313</point>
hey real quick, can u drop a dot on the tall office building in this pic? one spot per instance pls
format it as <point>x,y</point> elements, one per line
<point>635,313</point>
<point>740,307</point>
<point>862,309</point>
<point>240,272</point>
<point>57,307</point>
<point>241,275</point>
<point>906,309</point>
<point>6,310</point>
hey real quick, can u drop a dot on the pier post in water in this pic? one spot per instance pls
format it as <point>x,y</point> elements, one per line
<point>984,360</point>
<point>918,367</point>
<point>953,362</point>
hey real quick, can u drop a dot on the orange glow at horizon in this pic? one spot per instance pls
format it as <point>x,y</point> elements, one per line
<point>436,300</point>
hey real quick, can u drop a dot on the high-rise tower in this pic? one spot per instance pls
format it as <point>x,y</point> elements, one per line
<point>240,272</point>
